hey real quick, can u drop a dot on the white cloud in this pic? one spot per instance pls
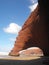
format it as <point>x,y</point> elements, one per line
<point>12,39</point>
<point>12,28</point>
<point>33,1</point>
<point>4,53</point>
<point>34,5</point>
<point>5,48</point>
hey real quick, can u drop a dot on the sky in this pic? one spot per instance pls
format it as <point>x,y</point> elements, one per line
<point>13,14</point>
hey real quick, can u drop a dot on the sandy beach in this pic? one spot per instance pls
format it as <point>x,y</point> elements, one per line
<point>24,61</point>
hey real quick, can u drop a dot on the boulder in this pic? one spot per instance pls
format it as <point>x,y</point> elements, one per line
<point>32,51</point>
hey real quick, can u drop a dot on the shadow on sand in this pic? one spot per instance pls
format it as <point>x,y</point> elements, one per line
<point>41,61</point>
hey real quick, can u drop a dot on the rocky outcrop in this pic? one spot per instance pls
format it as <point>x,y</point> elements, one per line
<point>32,51</point>
<point>35,31</point>
<point>25,37</point>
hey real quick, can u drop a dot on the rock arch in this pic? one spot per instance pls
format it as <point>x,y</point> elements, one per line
<point>35,31</point>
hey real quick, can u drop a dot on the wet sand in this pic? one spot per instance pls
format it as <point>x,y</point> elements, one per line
<point>24,61</point>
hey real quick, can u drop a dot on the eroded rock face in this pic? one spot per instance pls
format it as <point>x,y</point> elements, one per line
<point>25,38</point>
<point>35,31</point>
<point>32,51</point>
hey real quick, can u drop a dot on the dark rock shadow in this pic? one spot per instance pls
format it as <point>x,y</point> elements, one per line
<point>41,61</point>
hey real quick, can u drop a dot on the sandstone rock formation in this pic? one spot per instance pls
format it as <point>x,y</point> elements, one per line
<point>35,31</point>
<point>25,37</point>
<point>32,51</point>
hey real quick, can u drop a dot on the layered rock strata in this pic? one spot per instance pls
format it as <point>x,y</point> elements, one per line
<point>35,31</point>
<point>25,37</point>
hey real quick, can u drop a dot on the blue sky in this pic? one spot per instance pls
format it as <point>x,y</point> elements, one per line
<point>13,14</point>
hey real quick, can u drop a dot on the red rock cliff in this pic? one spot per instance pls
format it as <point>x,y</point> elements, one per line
<point>34,32</point>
